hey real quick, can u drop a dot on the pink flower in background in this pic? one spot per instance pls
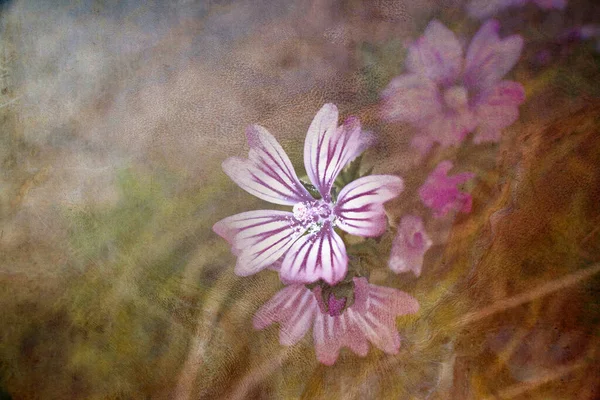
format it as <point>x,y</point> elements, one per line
<point>487,8</point>
<point>440,191</point>
<point>409,246</point>
<point>305,237</point>
<point>370,318</point>
<point>447,95</point>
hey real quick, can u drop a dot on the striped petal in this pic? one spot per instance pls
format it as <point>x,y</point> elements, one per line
<point>258,238</point>
<point>328,148</point>
<point>330,334</point>
<point>360,204</point>
<point>378,321</point>
<point>268,172</point>
<point>294,307</point>
<point>320,255</point>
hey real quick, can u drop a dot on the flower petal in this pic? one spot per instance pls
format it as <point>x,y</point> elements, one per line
<point>294,307</point>
<point>328,148</point>
<point>267,173</point>
<point>440,191</point>
<point>450,128</point>
<point>360,204</point>
<point>498,109</point>
<point>489,58</point>
<point>378,321</point>
<point>258,238</point>
<point>320,255</point>
<point>330,334</point>
<point>411,98</point>
<point>437,54</point>
<point>409,246</point>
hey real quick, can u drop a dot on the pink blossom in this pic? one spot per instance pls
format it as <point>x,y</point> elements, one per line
<point>447,95</point>
<point>305,237</point>
<point>370,318</point>
<point>487,8</point>
<point>409,246</point>
<point>440,191</point>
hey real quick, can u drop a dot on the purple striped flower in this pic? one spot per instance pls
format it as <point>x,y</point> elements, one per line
<point>370,318</point>
<point>409,246</point>
<point>305,238</point>
<point>486,8</point>
<point>446,95</point>
<point>440,192</point>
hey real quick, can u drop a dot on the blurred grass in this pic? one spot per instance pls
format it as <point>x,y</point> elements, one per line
<point>138,299</point>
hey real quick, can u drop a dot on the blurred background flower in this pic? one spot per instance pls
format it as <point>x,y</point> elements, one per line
<point>116,119</point>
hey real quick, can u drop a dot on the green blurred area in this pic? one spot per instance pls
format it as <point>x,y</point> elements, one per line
<point>136,297</point>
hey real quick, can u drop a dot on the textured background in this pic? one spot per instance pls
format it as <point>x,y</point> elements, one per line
<point>115,119</point>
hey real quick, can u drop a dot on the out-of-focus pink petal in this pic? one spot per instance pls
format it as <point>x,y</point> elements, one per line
<point>449,129</point>
<point>360,204</point>
<point>440,191</point>
<point>409,246</point>
<point>489,58</point>
<point>330,334</point>
<point>267,173</point>
<point>498,109</point>
<point>319,255</point>
<point>486,8</point>
<point>259,238</point>
<point>328,148</point>
<point>294,307</point>
<point>437,54</point>
<point>411,98</point>
<point>378,322</point>
<point>548,4</point>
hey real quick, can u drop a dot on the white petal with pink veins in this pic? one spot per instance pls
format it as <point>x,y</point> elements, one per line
<point>294,308</point>
<point>267,173</point>
<point>319,255</point>
<point>360,204</point>
<point>328,148</point>
<point>258,238</point>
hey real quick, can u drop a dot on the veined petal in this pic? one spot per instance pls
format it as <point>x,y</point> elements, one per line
<point>360,204</point>
<point>437,54</point>
<point>411,98</point>
<point>378,321</point>
<point>489,58</point>
<point>268,172</point>
<point>328,148</point>
<point>258,238</point>
<point>294,307</point>
<point>498,109</point>
<point>330,334</point>
<point>320,255</point>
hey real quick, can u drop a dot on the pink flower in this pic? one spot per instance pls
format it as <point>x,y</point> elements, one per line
<point>487,8</point>
<point>370,318</point>
<point>305,237</point>
<point>409,246</point>
<point>440,191</point>
<point>446,95</point>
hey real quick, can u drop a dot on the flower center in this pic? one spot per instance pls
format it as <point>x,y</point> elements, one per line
<point>313,214</point>
<point>456,97</point>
